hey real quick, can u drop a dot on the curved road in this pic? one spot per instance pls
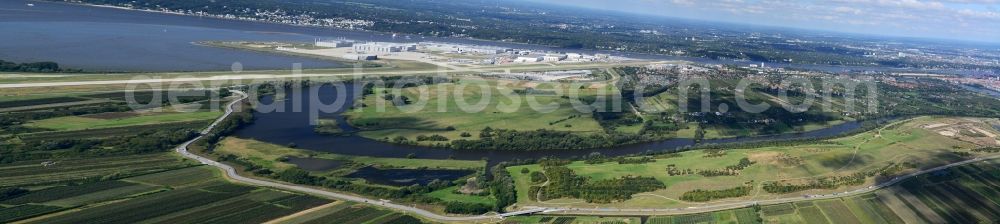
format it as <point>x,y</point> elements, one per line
<point>718,207</point>
<point>232,174</point>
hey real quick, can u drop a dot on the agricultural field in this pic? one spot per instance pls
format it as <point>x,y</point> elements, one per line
<point>51,130</point>
<point>178,178</point>
<point>41,101</point>
<point>573,220</point>
<point>40,172</point>
<point>80,122</point>
<point>781,171</point>
<point>966,194</point>
<point>162,197</point>
<point>163,193</point>
<point>105,132</point>
<point>738,216</point>
<point>866,208</point>
<point>346,212</point>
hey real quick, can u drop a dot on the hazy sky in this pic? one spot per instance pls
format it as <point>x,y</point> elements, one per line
<point>954,19</point>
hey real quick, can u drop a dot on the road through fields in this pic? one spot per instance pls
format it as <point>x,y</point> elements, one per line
<point>232,174</point>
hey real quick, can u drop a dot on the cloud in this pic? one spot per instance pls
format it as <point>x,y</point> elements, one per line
<point>970,19</point>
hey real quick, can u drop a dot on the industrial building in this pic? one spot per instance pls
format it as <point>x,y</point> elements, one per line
<point>527,59</point>
<point>334,43</point>
<point>461,48</point>
<point>360,57</point>
<point>383,47</point>
<point>554,57</point>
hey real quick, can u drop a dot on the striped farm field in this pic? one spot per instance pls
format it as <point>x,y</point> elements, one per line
<point>837,212</point>
<point>25,211</point>
<point>179,177</point>
<point>56,171</point>
<point>812,215</point>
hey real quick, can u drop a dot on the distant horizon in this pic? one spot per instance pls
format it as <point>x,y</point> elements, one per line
<point>986,35</point>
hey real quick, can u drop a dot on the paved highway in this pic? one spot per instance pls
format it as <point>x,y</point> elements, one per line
<point>725,206</point>
<point>232,174</point>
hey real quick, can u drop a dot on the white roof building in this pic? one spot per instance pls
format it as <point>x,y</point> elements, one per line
<point>527,59</point>
<point>360,57</point>
<point>383,47</point>
<point>334,43</point>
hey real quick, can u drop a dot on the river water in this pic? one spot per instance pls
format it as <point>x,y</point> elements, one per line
<point>109,39</point>
<point>97,38</point>
<point>292,125</point>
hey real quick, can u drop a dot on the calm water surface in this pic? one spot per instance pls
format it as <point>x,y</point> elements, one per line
<point>108,39</point>
<point>95,38</point>
<point>293,126</point>
<point>407,177</point>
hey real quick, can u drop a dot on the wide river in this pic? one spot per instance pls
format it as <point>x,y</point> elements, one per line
<point>108,39</point>
<point>292,125</point>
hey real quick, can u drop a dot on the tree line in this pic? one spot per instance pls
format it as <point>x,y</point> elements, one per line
<point>563,182</point>
<point>700,195</point>
<point>45,66</point>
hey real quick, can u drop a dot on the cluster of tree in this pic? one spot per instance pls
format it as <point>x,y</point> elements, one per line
<point>635,160</point>
<point>369,85</point>
<point>414,193</point>
<point>564,119</point>
<point>789,160</point>
<point>329,127</point>
<point>47,66</point>
<point>148,141</point>
<point>834,182</point>
<point>502,186</point>
<point>935,97</point>
<point>775,143</point>
<point>247,165</point>
<point>9,119</point>
<point>400,100</point>
<point>434,138</point>
<point>296,175</point>
<point>700,195</point>
<point>714,152</point>
<point>618,189</point>
<point>661,124</point>
<point>672,170</point>
<point>538,177</point>
<point>598,159</point>
<point>718,172</point>
<point>542,139</point>
<point>547,162</point>
<point>533,91</point>
<point>471,208</point>
<point>595,158</point>
<point>821,183</point>
<point>11,192</point>
<point>987,149</point>
<point>563,182</point>
<point>611,120</point>
<point>743,164</point>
